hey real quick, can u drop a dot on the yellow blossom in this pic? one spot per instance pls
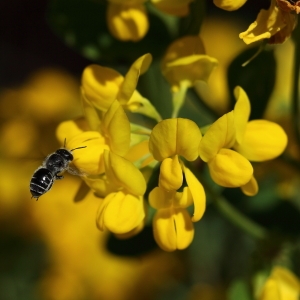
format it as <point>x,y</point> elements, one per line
<point>172,224</point>
<point>122,210</point>
<point>101,86</point>
<point>127,20</point>
<point>109,136</point>
<point>281,285</point>
<point>274,24</point>
<point>186,61</point>
<point>229,4</point>
<point>257,140</point>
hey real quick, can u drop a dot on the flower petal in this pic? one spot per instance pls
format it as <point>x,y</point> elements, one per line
<point>173,229</point>
<point>90,159</point>
<point>230,169</point>
<point>127,22</point>
<point>139,67</point>
<point>264,140</point>
<point>90,113</point>
<point>268,23</point>
<point>101,211</point>
<point>250,188</point>
<point>175,136</point>
<point>229,5</point>
<point>160,198</point>
<point>170,177</point>
<point>282,284</point>
<point>116,129</point>
<point>124,174</point>
<point>221,134</point>
<point>100,85</point>
<point>123,213</point>
<point>185,60</point>
<point>241,113</point>
<point>68,129</point>
<point>198,194</point>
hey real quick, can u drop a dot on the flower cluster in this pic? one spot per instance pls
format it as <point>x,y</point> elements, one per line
<point>120,156</point>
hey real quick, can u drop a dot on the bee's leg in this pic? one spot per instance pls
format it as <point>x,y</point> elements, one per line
<point>59,177</point>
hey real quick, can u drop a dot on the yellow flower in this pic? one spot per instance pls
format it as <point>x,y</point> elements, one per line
<point>281,285</point>
<point>122,211</point>
<point>274,24</point>
<point>101,86</point>
<point>186,62</point>
<point>109,137</point>
<point>172,224</point>
<point>229,4</point>
<point>127,20</point>
<point>257,140</point>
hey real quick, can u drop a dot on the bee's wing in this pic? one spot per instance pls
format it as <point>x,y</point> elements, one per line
<point>75,171</point>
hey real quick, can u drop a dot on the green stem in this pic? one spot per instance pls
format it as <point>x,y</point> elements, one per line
<point>235,216</point>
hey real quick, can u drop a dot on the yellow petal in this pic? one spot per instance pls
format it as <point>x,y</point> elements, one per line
<point>183,199</point>
<point>186,61</point>
<point>173,229</point>
<point>68,129</point>
<point>123,213</point>
<point>160,198</point>
<point>175,136</point>
<point>127,22</point>
<point>124,174</point>
<point>90,113</point>
<point>282,284</point>
<point>101,85</point>
<point>178,8</point>
<point>116,129</point>
<point>101,211</point>
<point>230,169</point>
<point>99,185</point>
<point>221,134</point>
<point>170,177</point>
<point>89,160</point>
<point>241,113</point>
<point>128,86</point>
<point>140,155</point>
<point>263,140</point>
<point>250,188</point>
<point>229,5</point>
<point>267,24</point>
<point>198,194</point>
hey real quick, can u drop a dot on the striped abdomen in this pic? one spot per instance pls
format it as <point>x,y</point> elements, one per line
<point>41,182</point>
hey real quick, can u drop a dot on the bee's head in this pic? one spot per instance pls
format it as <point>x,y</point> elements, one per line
<point>66,154</point>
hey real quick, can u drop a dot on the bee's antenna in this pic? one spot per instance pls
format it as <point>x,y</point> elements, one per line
<point>65,142</point>
<point>78,148</point>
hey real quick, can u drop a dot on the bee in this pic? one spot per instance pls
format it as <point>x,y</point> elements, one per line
<point>51,169</point>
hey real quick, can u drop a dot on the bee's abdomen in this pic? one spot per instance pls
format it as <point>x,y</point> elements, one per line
<point>41,182</point>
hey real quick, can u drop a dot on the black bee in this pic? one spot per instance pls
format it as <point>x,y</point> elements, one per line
<point>53,165</point>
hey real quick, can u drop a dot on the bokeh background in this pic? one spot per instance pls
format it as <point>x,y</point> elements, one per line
<point>51,249</point>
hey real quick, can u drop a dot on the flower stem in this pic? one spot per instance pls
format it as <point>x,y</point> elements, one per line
<point>235,216</point>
